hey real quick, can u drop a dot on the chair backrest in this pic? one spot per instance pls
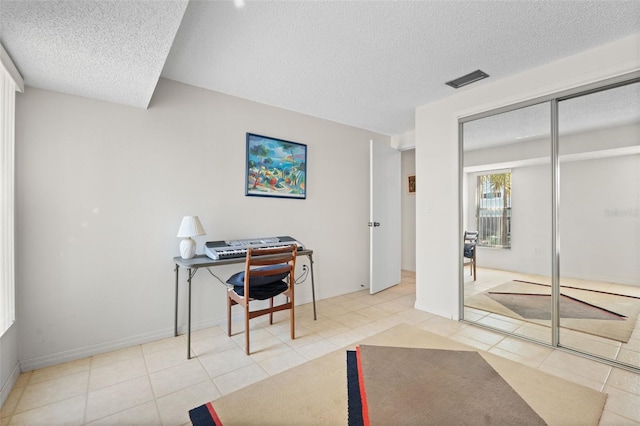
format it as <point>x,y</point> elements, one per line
<point>284,259</point>
<point>471,237</point>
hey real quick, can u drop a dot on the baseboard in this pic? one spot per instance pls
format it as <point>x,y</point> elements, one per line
<point>600,279</point>
<point>7,387</point>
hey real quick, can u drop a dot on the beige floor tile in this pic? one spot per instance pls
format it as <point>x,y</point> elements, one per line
<point>114,399</point>
<point>443,326</point>
<point>346,338</point>
<point>624,380</point>
<point>611,419</point>
<point>623,403</point>
<point>575,364</point>
<point>174,408</point>
<point>525,349</point>
<point>629,357</point>
<point>282,362</point>
<point>116,356</point>
<point>303,337</point>
<point>169,355</point>
<point>164,344</point>
<point>486,337</point>
<point>353,319</point>
<point>225,362</point>
<point>370,329</point>
<point>239,378</point>
<point>11,402</point>
<point>530,362</point>
<point>470,342</point>
<point>117,372</point>
<point>572,376</point>
<point>413,316</point>
<point>179,377</point>
<point>317,349</point>
<point>142,415</point>
<point>23,379</point>
<point>536,332</point>
<point>51,391</point>
<point>68,412</point>
<point>60,370</point>
<point>212,344</point>
<point>268,348</point>
<point>255,335</point>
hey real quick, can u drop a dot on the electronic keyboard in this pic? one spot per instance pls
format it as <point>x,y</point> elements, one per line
<point>229,249</point>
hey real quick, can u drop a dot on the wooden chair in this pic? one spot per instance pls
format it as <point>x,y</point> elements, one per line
<point>470,243</point>
<point>264,278</point>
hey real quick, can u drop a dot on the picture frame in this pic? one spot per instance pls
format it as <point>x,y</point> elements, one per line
<point>275,168</point>
<point>411,184</point>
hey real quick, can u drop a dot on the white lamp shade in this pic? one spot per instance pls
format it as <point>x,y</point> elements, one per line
<point>190,227</point>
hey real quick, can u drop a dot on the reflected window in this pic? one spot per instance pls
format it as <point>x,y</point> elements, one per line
<point>494,209</point>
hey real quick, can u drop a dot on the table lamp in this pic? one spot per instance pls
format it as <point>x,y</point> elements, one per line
<point>190,227</point>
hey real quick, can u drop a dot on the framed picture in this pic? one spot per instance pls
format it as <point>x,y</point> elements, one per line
<point>411,181</point>
<point>275,168</point>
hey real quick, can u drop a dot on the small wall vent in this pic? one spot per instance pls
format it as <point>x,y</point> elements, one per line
<point>467,79</point>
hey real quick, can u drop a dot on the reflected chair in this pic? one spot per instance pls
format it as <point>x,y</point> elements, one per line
<point>268,272</point>
<point>470,243</point>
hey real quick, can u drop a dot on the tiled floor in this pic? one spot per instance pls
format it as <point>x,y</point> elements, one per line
<point>155,383</point>
<point>628,352</point>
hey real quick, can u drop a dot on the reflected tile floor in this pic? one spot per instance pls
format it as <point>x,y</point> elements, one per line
<point>154,383</point>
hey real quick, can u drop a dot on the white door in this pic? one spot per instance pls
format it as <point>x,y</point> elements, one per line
<point>384,217</point>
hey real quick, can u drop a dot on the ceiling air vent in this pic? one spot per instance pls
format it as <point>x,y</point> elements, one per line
<point>467,79</point>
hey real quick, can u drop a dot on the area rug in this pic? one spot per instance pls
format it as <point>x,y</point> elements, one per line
<point>315,393</point>
<point>608,315</point>
<point>435,384</point>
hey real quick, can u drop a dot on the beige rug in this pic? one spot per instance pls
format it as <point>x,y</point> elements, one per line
<point>619,329</point>
<point>315,393</point>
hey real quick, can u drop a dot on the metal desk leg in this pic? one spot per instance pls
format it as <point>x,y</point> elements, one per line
<point>313,287</point>
<point>189,320</point>
<point>175,318</point>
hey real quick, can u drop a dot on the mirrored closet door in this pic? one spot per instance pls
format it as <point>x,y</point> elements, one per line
<point>506,179</point>
<point>599,223</point>
<point>550,220</point>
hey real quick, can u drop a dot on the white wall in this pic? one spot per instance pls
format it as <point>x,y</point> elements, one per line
<point>408,167</point>
<point>437,225</point>
<point>600,219</point>
<point>101,190</point>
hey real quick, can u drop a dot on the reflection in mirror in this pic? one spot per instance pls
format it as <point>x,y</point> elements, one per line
<point>599,147</point>
<point>507,201</point>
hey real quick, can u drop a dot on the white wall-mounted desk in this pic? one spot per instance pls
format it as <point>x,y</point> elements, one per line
<point>201,261</point>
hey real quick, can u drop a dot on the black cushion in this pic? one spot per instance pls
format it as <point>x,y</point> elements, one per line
<point>468,250</point>
<point>262,292</point>
<point>238,279</point>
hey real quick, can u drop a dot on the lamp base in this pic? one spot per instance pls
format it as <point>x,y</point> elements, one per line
<point>187,248</point>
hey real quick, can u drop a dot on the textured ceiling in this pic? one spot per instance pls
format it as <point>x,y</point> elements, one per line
<point>364,63</point>
<point>107,50</point>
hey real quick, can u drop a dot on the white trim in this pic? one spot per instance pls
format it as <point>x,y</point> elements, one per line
<point>10,68</point>
<point>9,384</point>
<point>7,197</point>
